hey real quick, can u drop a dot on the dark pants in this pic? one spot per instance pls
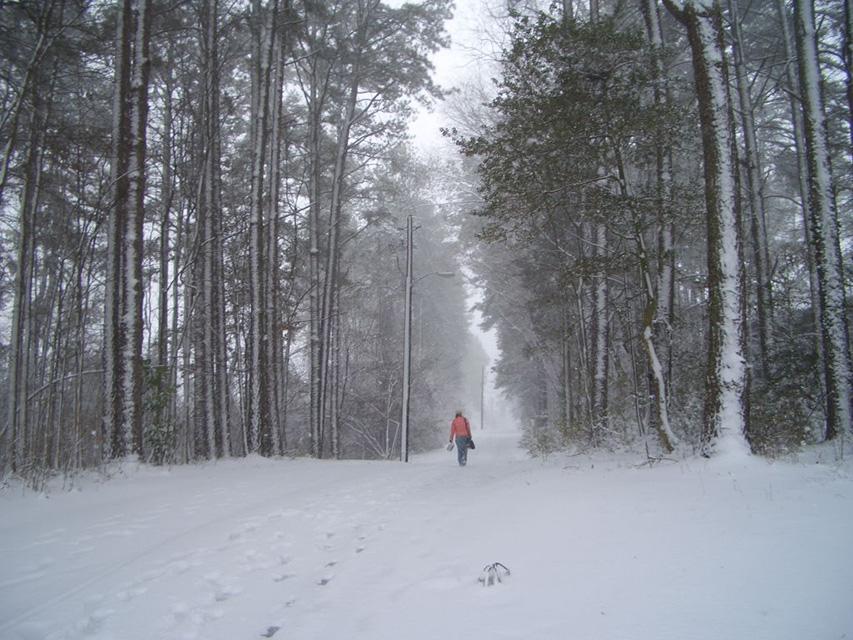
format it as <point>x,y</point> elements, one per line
<point>462,450</point>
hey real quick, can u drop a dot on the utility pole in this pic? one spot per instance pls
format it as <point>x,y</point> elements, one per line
<point>407,335</point>
<point>407,346</point>
<point>482,395</point>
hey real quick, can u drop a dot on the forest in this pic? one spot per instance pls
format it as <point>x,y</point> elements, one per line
<point>204,251</point>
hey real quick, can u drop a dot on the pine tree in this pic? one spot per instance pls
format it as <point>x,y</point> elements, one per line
<point>727,375</point>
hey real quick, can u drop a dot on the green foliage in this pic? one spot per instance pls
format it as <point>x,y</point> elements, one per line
<point>568,432</point>
<point>159,432</point>
<point>573,144</point>
<point>786,405</point>
<point>538,440</point>
<point>573,98</point>
<point>781,419</point>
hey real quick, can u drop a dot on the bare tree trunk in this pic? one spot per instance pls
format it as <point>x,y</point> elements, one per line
<point>727,378</point>
<point>80,316</point>
<point>206,312</point>
<point>114,336</point>
<point>289,323</point>
<point>12,116</point>
<point>642,410</point>
<point>221,423</point>
<point>758,227</point>
<point>583,350</point>
<point>176,348</point>
<point>659,287</point>
<point>56,376</point>
<point>793,91</point>
<point>660,387</point>
<point>197,325</point>
<point>285,389</point>
<point>133,285</point>
<point>264,40</point>
<point>38,377</point>
<point>824,225</point>
<point>166,196</point>
<point>186,425</point>
<point>209,222</point>
<point>667,437</point>
<point>316,404</point>
<point>78,342</point>
<point>601,343</point>
<point>242,389</point>
<point>273,310</point>
<point>163,416</point>
<point>337,390</point>
<point>848,63</point>
<point>273,253</point>
<point>221,355</point>
<point>330,283</point>
<point>316,94</point>
<point>567,398</point>
<point>218,401</point>
<point>16,437</point>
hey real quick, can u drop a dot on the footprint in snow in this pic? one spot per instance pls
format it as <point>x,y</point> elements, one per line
<point>222,590</point>
<point>181,566</point>
<point>361,547</point>
<point>179,611</point>
<point>94,621</point>
<point>247,527</point>
<point>226,593</point>
<point>126,595</point>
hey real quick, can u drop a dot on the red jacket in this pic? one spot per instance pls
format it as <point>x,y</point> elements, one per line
<point>460,427</point>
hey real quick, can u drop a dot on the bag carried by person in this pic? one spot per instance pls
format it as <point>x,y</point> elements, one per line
<point>470,437</point>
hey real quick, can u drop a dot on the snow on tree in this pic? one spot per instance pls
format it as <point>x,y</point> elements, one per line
<point>824,227</point>
<point>727,374</point>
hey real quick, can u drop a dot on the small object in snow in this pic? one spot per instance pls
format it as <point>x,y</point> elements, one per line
<point>270,632</point>
<point>493,574</point>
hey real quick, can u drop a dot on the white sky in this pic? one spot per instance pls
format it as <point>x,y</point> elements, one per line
<point>461,61</point>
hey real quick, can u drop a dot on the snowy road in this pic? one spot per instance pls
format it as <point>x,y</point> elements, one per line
<point>302,549</point>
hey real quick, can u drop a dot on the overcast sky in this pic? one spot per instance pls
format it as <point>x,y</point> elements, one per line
<point>463,60</point>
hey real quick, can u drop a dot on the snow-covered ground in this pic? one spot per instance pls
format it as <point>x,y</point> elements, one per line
<point>598,548</point>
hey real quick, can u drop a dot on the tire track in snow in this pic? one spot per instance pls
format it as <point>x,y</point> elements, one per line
<point>116,567</point>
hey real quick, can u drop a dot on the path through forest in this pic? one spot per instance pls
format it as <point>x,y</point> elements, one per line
<point>302,549</point>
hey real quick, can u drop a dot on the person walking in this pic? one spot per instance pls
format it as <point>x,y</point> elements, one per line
<point>462,431</point>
